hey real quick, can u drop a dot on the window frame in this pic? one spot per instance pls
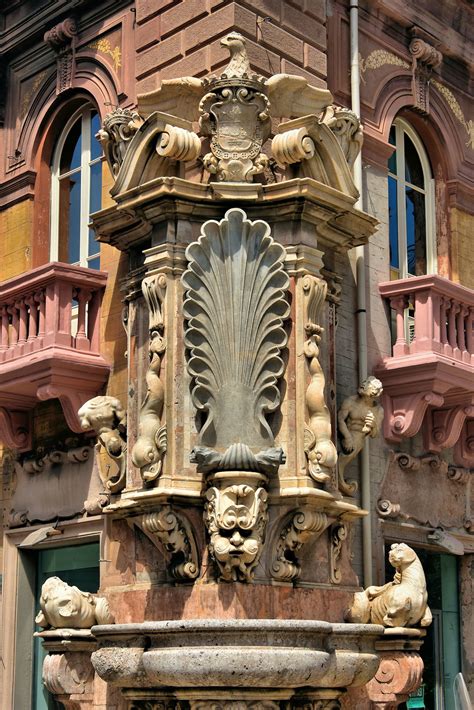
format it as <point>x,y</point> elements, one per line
<point>84,113</point>
<point>402,126</point>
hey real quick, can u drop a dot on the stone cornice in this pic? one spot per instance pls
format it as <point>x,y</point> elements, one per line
<point>17,188</point>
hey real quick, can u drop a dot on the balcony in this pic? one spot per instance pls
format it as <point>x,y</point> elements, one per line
<point>429,379</point>
<point>49,345</point>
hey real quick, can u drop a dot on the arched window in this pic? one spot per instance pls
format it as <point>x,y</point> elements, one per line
<point>411,205</point>
<point>76,185</point>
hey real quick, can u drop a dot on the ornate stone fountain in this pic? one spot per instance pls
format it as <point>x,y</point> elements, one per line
<point>225,486</point>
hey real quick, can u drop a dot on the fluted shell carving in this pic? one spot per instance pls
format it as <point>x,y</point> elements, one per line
<point>235,307</point>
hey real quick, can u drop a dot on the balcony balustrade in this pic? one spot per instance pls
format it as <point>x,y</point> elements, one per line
<point>429,379</point>
<point>49,345</point>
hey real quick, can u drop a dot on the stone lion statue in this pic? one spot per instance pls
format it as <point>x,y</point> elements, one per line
<point>63,606</point>
<point>402,602</point>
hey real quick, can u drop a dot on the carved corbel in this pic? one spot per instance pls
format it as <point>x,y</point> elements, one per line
<point>338,534</point>
<point>69,676</point>
<point>106,416</point>
<point>442,427</point>
<point>303,526</point>
<point>398,675</point>
<point>425,58</point>
<point>235,514</point>
<point>62,38</point>
<point>15,429</point>
<point>464,448</point>
<point>151,445</point>
<point>404,413</point>
<point>175,534</point>
<point>346,127</point>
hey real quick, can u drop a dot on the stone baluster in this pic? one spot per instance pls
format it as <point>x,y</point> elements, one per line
<point>33,317</point>
<point>14,325</point>
<point>444,305</point>
<point>398,304</point>
<point>463,312</point>
<point>81,340</point>
<point>23,317</point>
<point>452,328</point>
<point>470,334</point>
<point>41,301</point>
<point>93,324</point>
<point>4,329</point>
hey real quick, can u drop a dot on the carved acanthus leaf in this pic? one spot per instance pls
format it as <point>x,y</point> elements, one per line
<point>235,307</point>
<point>175,534</point>
<point>151,444</point>
<point>304,525</point>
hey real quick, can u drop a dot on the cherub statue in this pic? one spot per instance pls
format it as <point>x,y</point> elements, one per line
<point>400,603</point>
<point>359,416</point>
<point>65,607</point>
<point>107,417</point>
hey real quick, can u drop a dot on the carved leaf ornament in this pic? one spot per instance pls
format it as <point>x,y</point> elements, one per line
<point>235,307</point>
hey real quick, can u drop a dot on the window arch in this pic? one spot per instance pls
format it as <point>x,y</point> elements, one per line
<point>76,186</point>
<point>412,233</point>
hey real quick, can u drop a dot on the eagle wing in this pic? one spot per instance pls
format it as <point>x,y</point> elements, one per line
<point>291,96</point>
<point>178,97</point>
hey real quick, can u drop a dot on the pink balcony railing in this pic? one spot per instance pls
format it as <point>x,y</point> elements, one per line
<point>36,310</point>
<point>429,378</point>
<point>443,317</point>
<point>49,345</point>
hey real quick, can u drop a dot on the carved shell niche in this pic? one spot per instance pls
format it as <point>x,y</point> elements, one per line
<point>235,307</point>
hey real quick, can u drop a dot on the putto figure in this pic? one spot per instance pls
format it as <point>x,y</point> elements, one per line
<point>400,603</point>
<point>359,416</point>
<point>65,607</point>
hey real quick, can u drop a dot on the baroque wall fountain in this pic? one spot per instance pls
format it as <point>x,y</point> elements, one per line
<point>222,485</point>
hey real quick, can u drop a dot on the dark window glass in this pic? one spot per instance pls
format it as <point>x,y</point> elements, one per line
<point>393,223</point>
<point>416,232</point>
<point>73,211</point>
<point>392,161</point>
<point>413,169</point>
<point>71,153</point>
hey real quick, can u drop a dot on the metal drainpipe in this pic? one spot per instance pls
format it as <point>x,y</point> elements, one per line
<point>361,312</point>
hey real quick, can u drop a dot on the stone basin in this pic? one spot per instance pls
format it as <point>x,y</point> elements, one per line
<point>258,653</point>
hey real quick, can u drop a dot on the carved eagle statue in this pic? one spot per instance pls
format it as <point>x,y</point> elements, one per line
<point>290,96</point>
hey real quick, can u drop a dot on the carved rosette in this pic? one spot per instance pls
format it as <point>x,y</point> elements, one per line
<point>236,518</point>
<point>303,526</point>
<point>175,535</point>
<point>319,448</point>
<point>107,417</point>
<point>234,114</point>
<point>151,444</point>
<point>116,132</point>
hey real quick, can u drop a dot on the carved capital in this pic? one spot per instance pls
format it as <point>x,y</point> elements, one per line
<point>151,444</point>
<point>235,515</point>
<point>174,533</point>
<point>399,674</point>
<point>304,525</point>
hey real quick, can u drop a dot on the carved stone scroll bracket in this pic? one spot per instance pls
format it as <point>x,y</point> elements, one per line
<point>442,427</point>
<point>235,514</point>
<point>304,525</point>
<point>346,127</point>
<point>338,534</point>
<point>404,413</point>
<point>173,533</point>
<point>319,448</point>
<point>425,58</point>
<point>15,429</point>
<point>150,447</point>
<point>118,129</point>
<point>62,38</point>
<point>107,417</point>
<point>67,669</point>
<point>398,675</point>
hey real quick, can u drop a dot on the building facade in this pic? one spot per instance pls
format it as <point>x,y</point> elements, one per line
<point>302,471</point>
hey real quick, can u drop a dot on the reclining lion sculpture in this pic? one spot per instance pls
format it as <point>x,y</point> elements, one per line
<point>66,607</point>
<point>399,603</point>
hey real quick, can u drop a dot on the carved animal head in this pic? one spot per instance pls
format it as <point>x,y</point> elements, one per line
<point>102,414</point>
<point>234,42</point>
<point>401,555</point>
<point>371,387</point>
<point>63,606</point>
